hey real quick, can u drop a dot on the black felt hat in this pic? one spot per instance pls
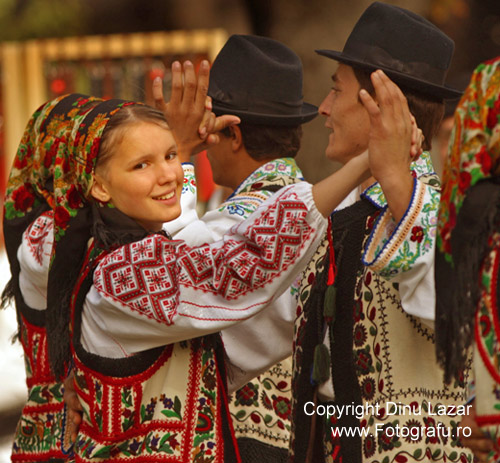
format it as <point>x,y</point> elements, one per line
<point>409,49</point>
<point>259,80</point>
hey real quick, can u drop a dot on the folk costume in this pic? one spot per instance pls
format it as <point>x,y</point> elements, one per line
<point>29,197</point>
<point>364,342</point>
<point>261,408</point>
<point>467,256</point>
<point>149,370</point>
<point>378,335</point>
<point>259,80</point>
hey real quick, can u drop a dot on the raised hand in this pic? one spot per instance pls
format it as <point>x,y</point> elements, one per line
<point>188,112</point>
<point>390,144</point>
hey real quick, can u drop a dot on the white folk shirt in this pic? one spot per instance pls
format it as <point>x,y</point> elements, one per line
<point>254,345</point>
<point>114,329</point>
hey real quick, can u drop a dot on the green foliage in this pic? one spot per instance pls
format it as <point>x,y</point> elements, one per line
<point>29,19</point>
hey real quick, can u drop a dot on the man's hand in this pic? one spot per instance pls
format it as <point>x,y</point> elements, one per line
<point>73,406</point>
<point>389,147</point>
<point>480,445</point>
<point>188,112</point>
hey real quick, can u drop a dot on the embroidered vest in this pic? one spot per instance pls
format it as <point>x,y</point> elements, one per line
<point>38,433</point>
<point>261,410</point>
<point>165,404</point>
<point>381,359</point>
<point>39,430</point>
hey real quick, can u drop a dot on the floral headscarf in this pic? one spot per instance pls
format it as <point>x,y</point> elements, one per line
<point>469,212</point>
<point>29,189</point>
<point>53,170</point>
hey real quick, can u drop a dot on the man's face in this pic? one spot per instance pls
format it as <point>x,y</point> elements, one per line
<point>345,116</point>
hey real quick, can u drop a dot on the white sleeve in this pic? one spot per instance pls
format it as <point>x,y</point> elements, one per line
<point>255,345</point>
<point>33,255</point>
<point>154,292</point>
<point>189,213</point>
<point>211,227</point>
<point>258,343</point>
<point>404,252</point>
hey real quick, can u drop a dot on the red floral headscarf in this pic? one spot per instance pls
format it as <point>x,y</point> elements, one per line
<point>469,213</point>
<point>53,170</point>
<point>474,152</point>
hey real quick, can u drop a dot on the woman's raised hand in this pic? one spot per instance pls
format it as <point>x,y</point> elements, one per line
<point>189,111</point>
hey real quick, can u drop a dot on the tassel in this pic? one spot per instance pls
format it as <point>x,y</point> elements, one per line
<point>321,365</point>
<point>332,268</point>
<point>329,304</point>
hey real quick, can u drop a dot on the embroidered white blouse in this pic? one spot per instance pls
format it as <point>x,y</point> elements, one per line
<point>158,291</point>
<point>256,344</point>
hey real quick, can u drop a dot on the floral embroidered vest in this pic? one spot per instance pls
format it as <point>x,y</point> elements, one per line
<point>165,404</point>
<point>261,410</point>
<point>380,355</point>
<point>39,431</point>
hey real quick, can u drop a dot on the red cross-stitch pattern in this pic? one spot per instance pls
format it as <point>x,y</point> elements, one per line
<point>37,234</point>
<point>146,275</point>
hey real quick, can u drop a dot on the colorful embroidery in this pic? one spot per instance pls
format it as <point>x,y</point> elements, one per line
<point>253,191</point>
<point>189,184</point>
<point>389,251</point>
<point>262,408</point>
<point>144,275</point>
<point>476,120</point>
<point>38,433</point>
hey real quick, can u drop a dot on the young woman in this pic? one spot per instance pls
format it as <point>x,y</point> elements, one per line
<point>96,180</point>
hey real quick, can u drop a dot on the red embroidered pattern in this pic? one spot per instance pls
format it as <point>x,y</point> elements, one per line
<point>146,275</point>
<point>37,233</point>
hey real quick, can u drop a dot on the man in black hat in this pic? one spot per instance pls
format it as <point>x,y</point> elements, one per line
<point>366,384</point>
<point>260,81</point>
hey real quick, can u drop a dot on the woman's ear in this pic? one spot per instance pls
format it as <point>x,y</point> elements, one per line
<point>98,190</point>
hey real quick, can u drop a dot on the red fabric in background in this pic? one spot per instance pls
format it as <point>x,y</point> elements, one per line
<point>204,180</point>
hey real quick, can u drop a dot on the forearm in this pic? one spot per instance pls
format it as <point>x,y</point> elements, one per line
<point>330,192</point>
<point>398,190</point>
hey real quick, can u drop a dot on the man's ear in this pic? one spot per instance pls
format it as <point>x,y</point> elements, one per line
<point>99,191</point>
<point>236,138</point>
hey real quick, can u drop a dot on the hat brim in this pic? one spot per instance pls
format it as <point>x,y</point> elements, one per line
<point>307,113</point>
<point>428,88</point>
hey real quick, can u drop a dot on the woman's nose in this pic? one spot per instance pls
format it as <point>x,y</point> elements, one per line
<point>165,173</point>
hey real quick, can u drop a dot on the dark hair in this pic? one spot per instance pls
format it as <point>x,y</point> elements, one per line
<point>266,142</point>
<point>428,111</point>
<point>115,128</point>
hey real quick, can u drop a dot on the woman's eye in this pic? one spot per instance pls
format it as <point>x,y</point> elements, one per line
<point>170,156</point>
<point>140,165</point>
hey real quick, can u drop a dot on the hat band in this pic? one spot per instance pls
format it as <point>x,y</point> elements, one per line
<point>374,56</point>
<point>242,101</point>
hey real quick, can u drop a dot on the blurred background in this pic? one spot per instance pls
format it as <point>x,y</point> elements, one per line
<point>115,48</point>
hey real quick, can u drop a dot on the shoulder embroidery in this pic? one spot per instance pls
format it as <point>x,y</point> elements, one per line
<point>37,235</point>
<point>145,276</point>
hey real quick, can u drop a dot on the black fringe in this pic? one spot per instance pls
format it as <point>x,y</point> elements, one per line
<point>458,283</point>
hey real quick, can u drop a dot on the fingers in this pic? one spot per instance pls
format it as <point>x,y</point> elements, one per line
<point>158,94</point>
<point>370,104</point>
<point>177,88</point>
<point>74,421</point>
<point>227,120</point>
<point>390,98</point>
<point>207,124</point>
<point>202,87</point>
<point>417,139</point>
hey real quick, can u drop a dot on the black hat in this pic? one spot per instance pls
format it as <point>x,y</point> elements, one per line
<point>409,49</point>
<point>260,81</point>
